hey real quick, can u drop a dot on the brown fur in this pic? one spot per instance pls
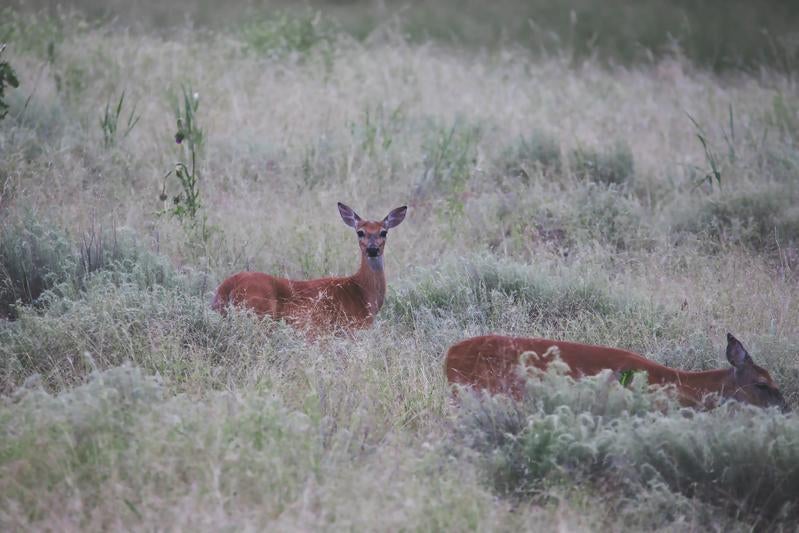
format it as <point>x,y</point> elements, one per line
<point>325,304</point>
<point>490,363</point>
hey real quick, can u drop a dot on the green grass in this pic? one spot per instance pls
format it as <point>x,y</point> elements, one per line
<point>552,193</point>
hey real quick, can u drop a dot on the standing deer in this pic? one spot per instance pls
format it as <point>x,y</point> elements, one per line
<point>324,304</point>
<point>490,363</point>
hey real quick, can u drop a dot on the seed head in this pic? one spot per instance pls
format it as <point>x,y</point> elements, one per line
<point>180,135</point>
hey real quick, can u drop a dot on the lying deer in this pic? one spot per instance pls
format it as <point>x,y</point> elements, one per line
<point>320,304</point>
<point>490,363</point>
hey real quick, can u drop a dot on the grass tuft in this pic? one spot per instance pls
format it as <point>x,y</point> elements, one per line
<point>763,218</point>
<point>613,166</point>
<point>536,153</point>
<point>34,257</point>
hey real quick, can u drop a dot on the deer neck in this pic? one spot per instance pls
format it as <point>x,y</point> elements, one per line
<point>372,281</point>
<point>708,380</point>
<point>694,386</point>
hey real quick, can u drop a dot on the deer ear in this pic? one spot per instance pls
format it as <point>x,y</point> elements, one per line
<point>395,217</point>
<point>736,353</point>
<point>349,216</point>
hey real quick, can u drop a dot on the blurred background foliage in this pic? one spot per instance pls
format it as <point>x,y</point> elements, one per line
<point>717,34</point>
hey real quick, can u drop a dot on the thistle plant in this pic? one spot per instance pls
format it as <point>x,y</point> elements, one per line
<point>186,203</point>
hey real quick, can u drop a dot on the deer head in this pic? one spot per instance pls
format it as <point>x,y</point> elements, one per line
<point>753,384</point>
<point>372,234</point>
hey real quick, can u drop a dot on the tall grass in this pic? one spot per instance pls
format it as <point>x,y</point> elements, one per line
<point>549,195</point>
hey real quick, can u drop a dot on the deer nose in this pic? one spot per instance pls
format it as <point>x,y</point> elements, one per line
<point>372,251</point>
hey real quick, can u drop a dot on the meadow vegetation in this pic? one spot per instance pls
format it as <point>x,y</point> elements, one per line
<point>610,190</point>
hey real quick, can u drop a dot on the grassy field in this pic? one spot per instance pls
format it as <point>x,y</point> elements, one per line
<point>641,200</point>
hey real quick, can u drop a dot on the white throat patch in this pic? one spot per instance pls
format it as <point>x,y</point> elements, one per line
<point>375,263</point>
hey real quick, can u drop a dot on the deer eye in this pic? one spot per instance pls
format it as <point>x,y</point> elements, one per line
<point>762,386</point>
<point>360,234</point>
<point>383,234</point>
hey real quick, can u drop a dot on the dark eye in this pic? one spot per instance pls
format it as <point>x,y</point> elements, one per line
<point>762,386</point>
<point>360,234</point>
<point>383,234</point>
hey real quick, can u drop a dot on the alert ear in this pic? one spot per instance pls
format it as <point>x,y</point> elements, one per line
<point>736,353</point>
<point>395,217</point>
<point>349,216</point>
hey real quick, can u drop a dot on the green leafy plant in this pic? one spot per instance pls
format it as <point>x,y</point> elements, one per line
<point>626,377</point>
<point>8,78</point>
<point>109,122</point>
